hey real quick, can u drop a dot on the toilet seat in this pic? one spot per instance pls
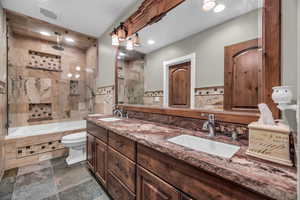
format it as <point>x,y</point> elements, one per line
<point>74,138</point>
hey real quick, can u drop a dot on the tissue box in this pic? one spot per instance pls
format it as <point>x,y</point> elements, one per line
<point>270,143</point>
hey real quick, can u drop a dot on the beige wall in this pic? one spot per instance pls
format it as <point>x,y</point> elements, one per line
<point>3,59</point>
<point>209,48</point>
<point>289,53</point>
<point>107,52</point>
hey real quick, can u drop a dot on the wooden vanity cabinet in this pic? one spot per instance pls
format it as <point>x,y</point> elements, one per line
<point>100,160</point>
<point>150,187</point>
<point>130,171</point>
<point>197,183</point>
<point>117,190</point>
<point>123,168</point>
<point>90,151</point>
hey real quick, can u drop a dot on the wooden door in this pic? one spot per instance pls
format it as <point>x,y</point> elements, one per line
<point>150,187</point>
<point>101,161</point>
<point>180,85</point>
<point>243,76</point>
<point>90,143</point>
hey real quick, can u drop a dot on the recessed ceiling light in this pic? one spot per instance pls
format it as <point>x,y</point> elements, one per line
<point>219,8</point>
<point>70,75</point>
<point>68,39</point>
<point>45,33</point>
<point>151,42</point>
<point>78,68</point>
<point>208,5</point>
<point>77,76</point>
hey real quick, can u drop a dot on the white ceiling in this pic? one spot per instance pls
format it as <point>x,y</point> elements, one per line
<point>91,17</point>
<point>189,18</point>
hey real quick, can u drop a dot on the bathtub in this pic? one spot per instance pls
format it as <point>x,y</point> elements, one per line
<point>25,131</point>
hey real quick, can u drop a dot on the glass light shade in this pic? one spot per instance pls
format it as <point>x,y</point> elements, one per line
<point>115,40</point>
<point>208,5</point>
<point>129,45</point>
<point>121,34</point>
<point>282,94</point>
<point>136,40</point>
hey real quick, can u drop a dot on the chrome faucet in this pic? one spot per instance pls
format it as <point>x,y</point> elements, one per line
<point>210,125</point>
<point>119,113</point>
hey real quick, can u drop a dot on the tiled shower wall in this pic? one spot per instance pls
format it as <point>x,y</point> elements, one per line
<point>205,98</point>
<point>34,93</point>
<point>131,81</point>
<point>104,101</point>
<point>3,60</point>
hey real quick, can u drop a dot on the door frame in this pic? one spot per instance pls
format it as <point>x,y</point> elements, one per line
<point>166,65</point>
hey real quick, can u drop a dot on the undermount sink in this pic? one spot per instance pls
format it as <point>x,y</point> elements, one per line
<point>207,146</point>
<point>110,119</point>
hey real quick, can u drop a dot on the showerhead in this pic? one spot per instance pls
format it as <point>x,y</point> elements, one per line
<point>58,46</point>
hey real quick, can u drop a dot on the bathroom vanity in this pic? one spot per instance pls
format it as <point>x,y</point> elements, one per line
<point>133,159</point>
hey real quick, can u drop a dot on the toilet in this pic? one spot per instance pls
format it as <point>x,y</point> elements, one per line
<point>77,147</point>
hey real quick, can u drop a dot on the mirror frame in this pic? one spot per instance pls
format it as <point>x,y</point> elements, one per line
<point>152,11</point>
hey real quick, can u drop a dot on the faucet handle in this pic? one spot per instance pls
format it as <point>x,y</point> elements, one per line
<point>211,117</point>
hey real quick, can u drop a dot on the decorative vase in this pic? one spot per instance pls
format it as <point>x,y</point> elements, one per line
<point>282,94</point>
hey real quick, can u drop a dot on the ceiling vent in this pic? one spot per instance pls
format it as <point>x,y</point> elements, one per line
<point>49,14</point>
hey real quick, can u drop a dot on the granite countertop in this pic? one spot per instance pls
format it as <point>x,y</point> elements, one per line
<point>272,180</point>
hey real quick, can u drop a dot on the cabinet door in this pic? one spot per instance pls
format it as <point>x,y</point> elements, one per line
<point>100,161</point>
<point>90,151</point>
<point>117,190</point>
<point>123,168</point>
<point>150,187</point>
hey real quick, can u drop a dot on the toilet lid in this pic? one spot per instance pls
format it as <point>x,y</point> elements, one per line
<point>75,136</point>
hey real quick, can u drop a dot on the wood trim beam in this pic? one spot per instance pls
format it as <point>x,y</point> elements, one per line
<point>272,50</point>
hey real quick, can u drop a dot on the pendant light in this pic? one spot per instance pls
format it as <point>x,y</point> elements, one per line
<point>129,45</point>
<point>115,38</point>
<point>208,4</point>
<point>121,32</point>
<point>136,40</point>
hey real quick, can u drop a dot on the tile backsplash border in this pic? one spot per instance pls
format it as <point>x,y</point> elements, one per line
<point>189,123</point>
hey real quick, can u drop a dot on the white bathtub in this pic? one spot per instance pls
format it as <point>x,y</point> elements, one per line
<point>42,129</point>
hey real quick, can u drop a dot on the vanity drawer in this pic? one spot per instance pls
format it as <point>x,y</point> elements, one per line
<point>123,168</point>
<point>97,131</point>
<point>123,145</point>
<point>117,190</point>
<point>198,183</point>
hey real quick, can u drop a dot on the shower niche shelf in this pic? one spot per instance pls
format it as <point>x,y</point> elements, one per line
<point>74,88</point>
<point>44,61</point>
<point>40,112</point>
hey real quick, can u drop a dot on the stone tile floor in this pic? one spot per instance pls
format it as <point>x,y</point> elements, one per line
<point>51,180</point>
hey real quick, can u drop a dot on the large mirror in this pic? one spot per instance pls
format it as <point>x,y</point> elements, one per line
<point>196,58</point>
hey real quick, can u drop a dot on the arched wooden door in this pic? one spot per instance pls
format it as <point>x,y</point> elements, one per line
<point>243,76</point>
<point>180,85</point>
